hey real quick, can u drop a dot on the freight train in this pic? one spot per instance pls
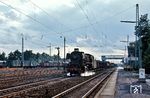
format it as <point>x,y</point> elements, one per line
<point>79,62</point>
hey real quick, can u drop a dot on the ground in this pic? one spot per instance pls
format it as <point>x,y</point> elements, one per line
<point>125,80</point>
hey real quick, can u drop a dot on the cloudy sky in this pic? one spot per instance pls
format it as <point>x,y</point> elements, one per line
<point>92,25</point>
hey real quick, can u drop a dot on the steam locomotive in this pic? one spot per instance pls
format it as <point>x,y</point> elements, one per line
<point>81,62</point>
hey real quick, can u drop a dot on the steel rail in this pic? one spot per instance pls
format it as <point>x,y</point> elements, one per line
<point>76,86</point>
<point>104,79</point>
<point>24,91</point>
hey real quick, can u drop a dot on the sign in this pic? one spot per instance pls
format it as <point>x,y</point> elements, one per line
<point>141,73</point>
<point>135,89</point>
<point>133,58</point>
<point>113,56</point>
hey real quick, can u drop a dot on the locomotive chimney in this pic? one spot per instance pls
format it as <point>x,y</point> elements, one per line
<point>76,49</point>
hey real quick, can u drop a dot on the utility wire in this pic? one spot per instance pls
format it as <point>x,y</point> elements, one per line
<point>87,17</point>
<point>45,12</point>
<point>99,21</point>
<point>27,16</point>
<point>86,26</point>
<point>91,24</point>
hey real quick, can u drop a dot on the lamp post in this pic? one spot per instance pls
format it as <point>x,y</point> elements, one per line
<point>64,47</point>
<point>22,57</point>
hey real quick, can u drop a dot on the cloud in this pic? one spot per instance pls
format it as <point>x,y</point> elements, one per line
<point>2,18</point>
<point>12,14</point>
<point>82,39</point>
<point>98,34</point>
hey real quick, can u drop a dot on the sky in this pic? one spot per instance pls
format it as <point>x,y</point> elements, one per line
<point>93,26</point>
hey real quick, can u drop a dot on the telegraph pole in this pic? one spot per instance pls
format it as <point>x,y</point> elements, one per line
<point>138,43</point>
<point>126,47</point>
<point>137,24</point>
<point>22,62</point>
<point>127,42</point>
<point>50,49</point>
<point>137,17</point>
<point>64,49</point>
<point>58,56</point>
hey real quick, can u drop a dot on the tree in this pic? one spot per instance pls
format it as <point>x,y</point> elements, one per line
<point>16,55</point>
<point>55,57</point>
<point>37,56</point>
<point>11,56</point>
<point>28,55</point>
<point>146,44</point>
<point>2,56</point>
<point>146,59</point>
<point>45,57</point>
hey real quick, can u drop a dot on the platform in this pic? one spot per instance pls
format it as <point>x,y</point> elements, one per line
<point>118,86</point>
<point>125,80</point>
<point>108,90</point>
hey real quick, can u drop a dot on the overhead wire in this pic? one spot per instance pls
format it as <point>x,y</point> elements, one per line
<point>88,10</point>
<point>66,30</point>
<point>16,43</point>
<point>116,14</point>
<point>26,16</point>
<point>49,16</point>
<point>71,29</point>
<point>29,17</point>
<point>87,17</point>
<point>46,13</point>
<point>99,21</point>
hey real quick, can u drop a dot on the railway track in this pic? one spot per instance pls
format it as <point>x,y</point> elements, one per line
<point>22,90</point>
<point>24,80</point>
<point>86,89</point>
<point>44,88</point>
